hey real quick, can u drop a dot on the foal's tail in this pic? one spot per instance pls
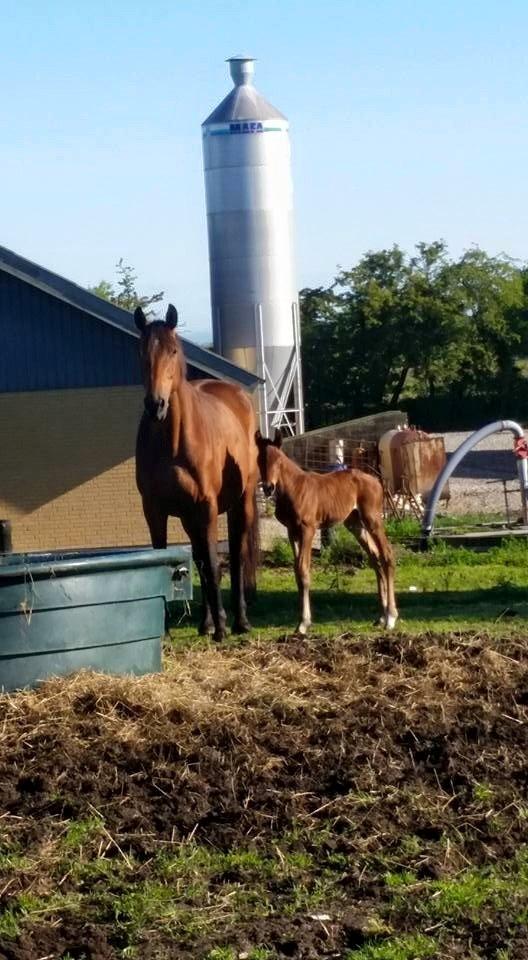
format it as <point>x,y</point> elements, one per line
<point>252,554</point>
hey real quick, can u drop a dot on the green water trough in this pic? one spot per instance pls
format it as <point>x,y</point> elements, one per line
<point>63,612</point>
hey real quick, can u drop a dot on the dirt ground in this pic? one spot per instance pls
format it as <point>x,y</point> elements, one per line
<point>404,755</point>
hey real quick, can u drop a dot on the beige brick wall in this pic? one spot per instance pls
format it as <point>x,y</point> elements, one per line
<point>67,476</point>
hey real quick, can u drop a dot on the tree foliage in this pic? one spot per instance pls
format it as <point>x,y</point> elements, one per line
<point>425,328</point>
<point>123,292</point>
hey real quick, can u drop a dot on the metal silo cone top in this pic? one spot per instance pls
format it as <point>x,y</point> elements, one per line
<point>241,69</point>
<point>244,102</point>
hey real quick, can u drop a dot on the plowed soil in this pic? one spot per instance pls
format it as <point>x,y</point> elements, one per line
<point>350,768</point>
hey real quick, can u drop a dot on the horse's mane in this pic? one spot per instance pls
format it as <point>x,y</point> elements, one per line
<point>183,360</point>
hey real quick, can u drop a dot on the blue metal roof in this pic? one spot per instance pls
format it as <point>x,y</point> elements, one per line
<point>48,344</point>
<point>56,334</point>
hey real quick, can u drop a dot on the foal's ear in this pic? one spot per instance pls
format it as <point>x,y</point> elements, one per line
<point>277,440</point>
<point>171,317</point>
<point>140,319</point>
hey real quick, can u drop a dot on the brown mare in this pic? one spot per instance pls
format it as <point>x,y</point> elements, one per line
<point>195,459</point>
<point>307,501</point>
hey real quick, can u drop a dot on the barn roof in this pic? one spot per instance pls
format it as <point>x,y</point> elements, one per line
<point>77,296</point>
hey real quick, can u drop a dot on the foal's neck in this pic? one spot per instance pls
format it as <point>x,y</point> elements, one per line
<point>289,475</point>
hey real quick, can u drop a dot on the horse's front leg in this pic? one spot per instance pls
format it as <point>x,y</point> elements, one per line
<point>206,625</point>
<point>205,549</point>
<point>303,571</point>
<point>157,523</point>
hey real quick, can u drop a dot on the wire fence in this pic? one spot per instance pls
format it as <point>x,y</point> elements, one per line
<point>483,491</point>
<point>353,443</point>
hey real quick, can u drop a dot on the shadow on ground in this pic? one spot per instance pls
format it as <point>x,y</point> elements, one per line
<point>278,608</point>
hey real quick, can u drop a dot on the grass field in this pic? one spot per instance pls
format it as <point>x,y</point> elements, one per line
<point>357,795</point>
<point>443,589</point>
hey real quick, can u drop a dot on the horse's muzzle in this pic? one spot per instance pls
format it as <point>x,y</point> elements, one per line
<point>269,489</point>
<point>156,407</point>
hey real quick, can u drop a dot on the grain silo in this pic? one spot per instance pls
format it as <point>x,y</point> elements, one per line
<point>249,198</point>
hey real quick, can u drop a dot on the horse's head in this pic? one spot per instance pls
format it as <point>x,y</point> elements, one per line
<point>162,360</point>
<point>268,459</point>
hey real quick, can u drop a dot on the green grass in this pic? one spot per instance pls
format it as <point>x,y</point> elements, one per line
<point>445,589</point>
<point>194,889</point>
<point>413,947</point>
<point>409,528</point>
<point>475,891</point>
<point>189,891</point>
<point>28,908</point>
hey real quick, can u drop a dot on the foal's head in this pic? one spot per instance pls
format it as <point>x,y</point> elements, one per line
<point>268,459</point>
<point>162,360</point>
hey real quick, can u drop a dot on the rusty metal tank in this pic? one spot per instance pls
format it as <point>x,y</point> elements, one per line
<point>410,460</point>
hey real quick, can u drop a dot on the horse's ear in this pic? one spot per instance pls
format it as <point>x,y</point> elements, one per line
<point>258,436</point>
<point>277,441</point>
<point>171,317</point>
<point>140,319</point>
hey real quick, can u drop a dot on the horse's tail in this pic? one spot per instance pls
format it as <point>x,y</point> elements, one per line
<point>252,553</point>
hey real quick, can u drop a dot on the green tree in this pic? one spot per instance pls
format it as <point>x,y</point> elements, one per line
<point>395,327</point>
<point>491,291</point>
<point>400,312</point>
<point>124,293</point>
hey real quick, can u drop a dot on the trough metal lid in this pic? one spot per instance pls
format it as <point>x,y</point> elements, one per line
<point>61,563</point>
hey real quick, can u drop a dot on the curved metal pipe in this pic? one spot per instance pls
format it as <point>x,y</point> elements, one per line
<point>522,466</point>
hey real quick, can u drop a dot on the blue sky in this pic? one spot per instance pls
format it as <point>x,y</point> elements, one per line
<point>408,122</point>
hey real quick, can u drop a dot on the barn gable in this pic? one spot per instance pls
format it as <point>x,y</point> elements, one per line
<point>48,344</point>
<point>56,335</point>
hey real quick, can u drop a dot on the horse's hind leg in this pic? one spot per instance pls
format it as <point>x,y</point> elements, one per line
<point>237,524</point>
<point>206,625</point>
<point>202,532</point>
<point>370,532</point>
<point>355,524</point>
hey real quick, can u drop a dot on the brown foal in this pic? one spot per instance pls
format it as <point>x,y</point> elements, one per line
<point>306,501</point>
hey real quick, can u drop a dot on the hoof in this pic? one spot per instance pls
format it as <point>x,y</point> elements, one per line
<point>303,629</point>
<point>241,626</point>
<point>205,629</point>
<point>380,622</point>
<point>219,636</point>
<point>391,621</point>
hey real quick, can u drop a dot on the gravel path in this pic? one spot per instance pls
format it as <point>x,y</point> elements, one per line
<point>479,481</point>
